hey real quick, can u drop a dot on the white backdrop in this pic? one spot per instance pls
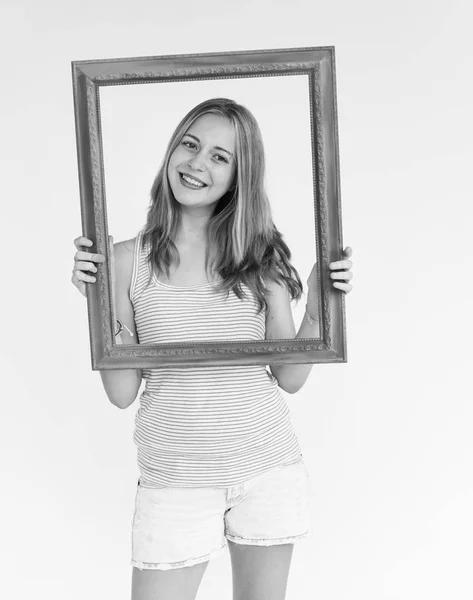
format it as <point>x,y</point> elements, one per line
<point>387,436</point>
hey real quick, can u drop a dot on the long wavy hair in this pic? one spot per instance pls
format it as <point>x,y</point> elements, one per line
<point>244,246</point>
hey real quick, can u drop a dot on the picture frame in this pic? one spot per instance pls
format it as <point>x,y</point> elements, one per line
<point>315,68</point>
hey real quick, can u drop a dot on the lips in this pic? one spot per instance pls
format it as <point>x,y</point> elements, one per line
<point>191,182</point>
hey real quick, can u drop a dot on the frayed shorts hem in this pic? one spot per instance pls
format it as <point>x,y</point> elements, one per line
<point>206,557</point>
<point>179,565</point>
<point>266,542</point>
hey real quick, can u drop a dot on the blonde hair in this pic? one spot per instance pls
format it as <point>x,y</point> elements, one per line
<point>244,246</point>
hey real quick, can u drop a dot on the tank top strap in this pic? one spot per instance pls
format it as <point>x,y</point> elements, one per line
<point>140,277</point>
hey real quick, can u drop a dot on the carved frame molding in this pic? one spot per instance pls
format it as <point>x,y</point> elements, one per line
<point>319,66</point>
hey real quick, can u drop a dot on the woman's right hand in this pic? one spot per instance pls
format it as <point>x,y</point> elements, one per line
<point>84,264</point>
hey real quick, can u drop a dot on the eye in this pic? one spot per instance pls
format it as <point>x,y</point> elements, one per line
<point>220,158</point>
<point>190,145</point>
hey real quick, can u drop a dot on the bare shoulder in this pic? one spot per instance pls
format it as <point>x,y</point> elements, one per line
<point>279,319</point>
<point>123,255</point>
<point>125,248</point>
<point>277,290</point>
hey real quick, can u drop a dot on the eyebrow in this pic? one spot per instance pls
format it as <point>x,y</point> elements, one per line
<point>216,147</point>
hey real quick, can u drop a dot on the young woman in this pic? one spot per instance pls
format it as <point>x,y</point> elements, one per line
<point>219,463</point>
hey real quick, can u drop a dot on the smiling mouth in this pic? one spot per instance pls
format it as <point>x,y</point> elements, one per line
<point>191,182</point>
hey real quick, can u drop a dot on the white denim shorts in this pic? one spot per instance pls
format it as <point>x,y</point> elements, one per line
<point>181,527</point>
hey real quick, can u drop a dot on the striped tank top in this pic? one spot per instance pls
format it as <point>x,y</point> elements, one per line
<point>204,426</point>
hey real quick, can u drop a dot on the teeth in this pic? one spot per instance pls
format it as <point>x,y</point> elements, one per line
<point>192,181</point>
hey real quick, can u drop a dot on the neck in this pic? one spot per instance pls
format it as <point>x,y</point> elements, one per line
<point>193,225</point>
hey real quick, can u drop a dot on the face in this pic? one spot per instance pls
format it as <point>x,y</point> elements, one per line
<point>202,167</point>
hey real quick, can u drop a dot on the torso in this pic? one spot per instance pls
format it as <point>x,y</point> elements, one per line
<point>204,426</point>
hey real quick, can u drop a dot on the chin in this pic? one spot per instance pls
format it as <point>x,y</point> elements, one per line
<point>187,200</point>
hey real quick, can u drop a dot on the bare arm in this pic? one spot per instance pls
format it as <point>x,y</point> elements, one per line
<point>280,322</point>
<point>122,385</point>
<point>280,326</point>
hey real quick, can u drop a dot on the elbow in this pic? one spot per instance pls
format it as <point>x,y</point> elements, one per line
<point>122,405</point>
<point>286,380</point>
<point>290,388</point>
<point>121,387</point>
<point>121,401</point>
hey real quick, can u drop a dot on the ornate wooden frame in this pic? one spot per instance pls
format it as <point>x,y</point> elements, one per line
<point>319,66</point>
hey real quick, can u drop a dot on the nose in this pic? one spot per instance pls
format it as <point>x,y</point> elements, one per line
<point>197,162</point>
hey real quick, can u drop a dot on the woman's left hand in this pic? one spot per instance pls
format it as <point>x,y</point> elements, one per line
<point>341,272</point>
